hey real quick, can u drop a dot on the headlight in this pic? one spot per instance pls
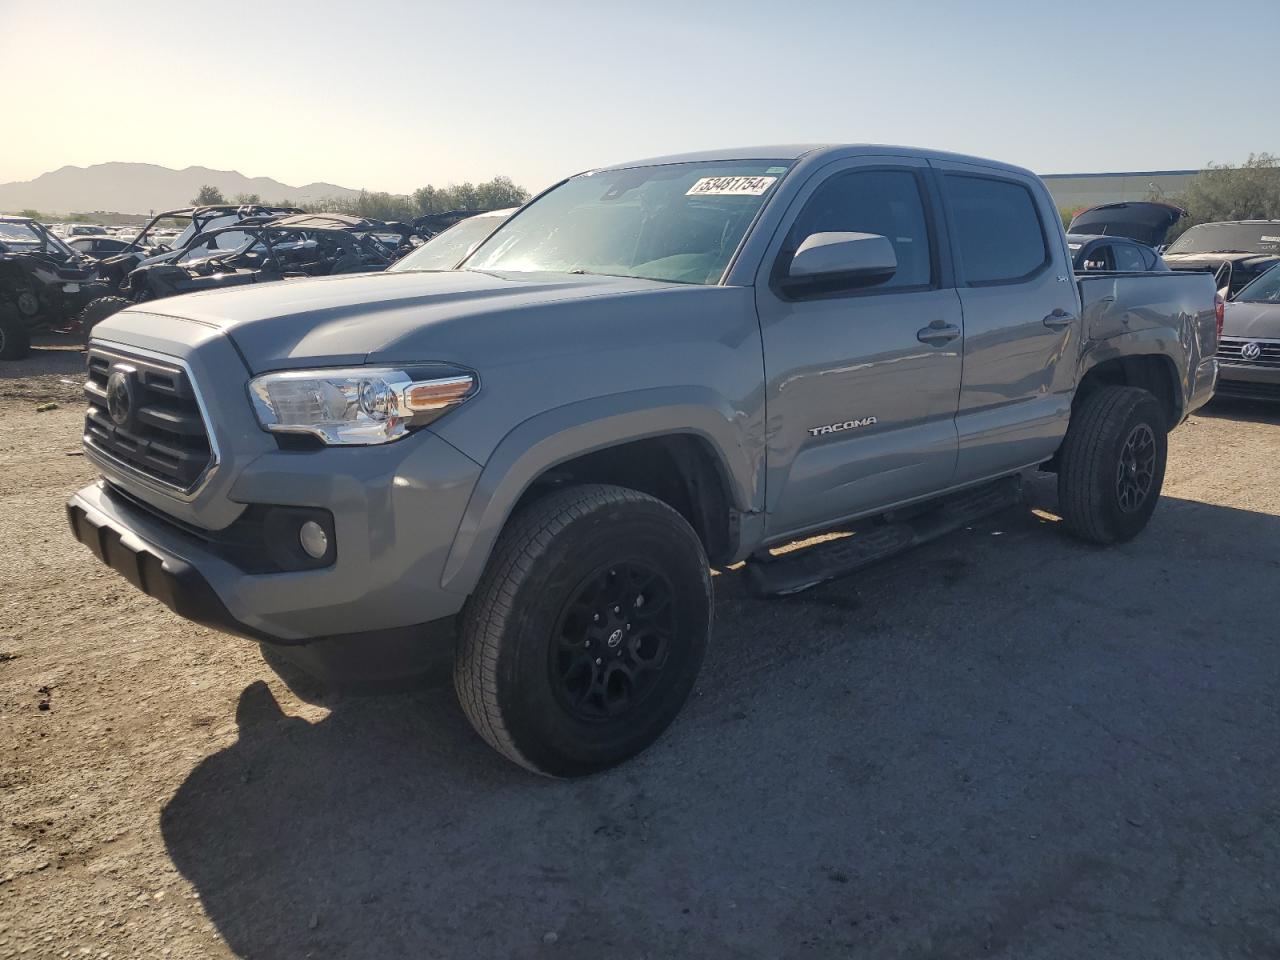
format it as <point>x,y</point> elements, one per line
<point>357,405</point>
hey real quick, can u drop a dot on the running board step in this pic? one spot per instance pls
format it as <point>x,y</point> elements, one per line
<point>810,566</point>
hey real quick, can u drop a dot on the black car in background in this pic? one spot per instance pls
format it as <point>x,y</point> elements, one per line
<point>1091,254</point>
<point>1236,252</point>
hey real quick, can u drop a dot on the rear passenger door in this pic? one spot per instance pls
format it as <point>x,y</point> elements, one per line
<point>862,382</point>
<point>1018,297</point>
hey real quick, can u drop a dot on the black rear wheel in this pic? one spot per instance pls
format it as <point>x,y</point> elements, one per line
<point>585,635</point>
<point>15,335</point>
<point>1111,466</point>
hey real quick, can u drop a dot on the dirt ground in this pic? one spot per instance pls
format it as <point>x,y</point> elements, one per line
<point>1003,744</point>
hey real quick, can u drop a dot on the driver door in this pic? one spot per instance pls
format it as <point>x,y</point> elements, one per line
<point>862,383</point>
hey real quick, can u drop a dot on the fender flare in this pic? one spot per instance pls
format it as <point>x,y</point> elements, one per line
<point>1162,343</point>
<point>564,433</point>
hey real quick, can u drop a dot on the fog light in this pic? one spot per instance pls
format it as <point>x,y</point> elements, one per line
<point>313,539</point>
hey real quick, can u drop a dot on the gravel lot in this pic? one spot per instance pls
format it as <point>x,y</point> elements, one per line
<point>1004,744</point>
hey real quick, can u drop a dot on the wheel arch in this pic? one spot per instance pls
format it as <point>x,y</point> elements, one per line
<point>685,449</point>
<point>1140,363</point>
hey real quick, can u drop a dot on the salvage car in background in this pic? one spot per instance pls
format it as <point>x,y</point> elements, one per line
<point>43,283</point>
<point>1249,351</point>
<point>84,230</point>
<point>98,247</point>
<point>1111,254</point>
<point>450,247</point>
<point>1236,252</point>
<point>1147,221</point>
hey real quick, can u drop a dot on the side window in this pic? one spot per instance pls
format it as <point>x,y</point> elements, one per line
<point>1129,258</point>
<point>998,231</point>
<point>1149,258</point>
<point>886,202</point>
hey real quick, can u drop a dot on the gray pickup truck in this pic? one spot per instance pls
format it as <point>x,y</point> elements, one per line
<point>649,370</point>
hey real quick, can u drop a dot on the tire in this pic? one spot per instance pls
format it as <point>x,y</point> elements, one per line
<point>543,616</point>
<point>1112,463</point>
<point>15,335</point>
<point>97,310</point>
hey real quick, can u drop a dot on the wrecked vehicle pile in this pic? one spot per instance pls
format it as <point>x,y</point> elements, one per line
<point>154,242</point>
<point>283,248</point>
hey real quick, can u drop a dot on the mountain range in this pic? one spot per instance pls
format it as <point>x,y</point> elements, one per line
<point>143,187</point>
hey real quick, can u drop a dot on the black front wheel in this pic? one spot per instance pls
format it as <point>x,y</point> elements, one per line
<point>586,633</point>
<point>1111,466</point>
<point>97,310</point>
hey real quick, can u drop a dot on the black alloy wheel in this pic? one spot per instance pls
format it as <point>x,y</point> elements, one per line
<point>612,641</point>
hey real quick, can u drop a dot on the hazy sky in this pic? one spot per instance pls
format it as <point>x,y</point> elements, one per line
<point>392,95</point>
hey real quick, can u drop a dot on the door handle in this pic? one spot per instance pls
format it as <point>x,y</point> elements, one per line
<point>938,332</point>
<point>1059,319</point>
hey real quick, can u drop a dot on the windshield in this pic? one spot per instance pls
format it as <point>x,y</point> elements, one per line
<point>677,222</point>
<point>1265,289</point>
<point>447,249</point>
<point>1229,238</point>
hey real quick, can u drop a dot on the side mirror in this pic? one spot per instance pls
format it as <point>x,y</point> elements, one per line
<point>834,260</point>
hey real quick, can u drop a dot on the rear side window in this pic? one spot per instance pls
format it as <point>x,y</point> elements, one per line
<point>1129,258</point>
<point>886,202</point>
<point>998,231</point>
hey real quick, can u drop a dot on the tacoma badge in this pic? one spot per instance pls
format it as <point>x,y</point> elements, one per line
<point>841,427</point>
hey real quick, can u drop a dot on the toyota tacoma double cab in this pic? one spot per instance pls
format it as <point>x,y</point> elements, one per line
<point>648,371</point>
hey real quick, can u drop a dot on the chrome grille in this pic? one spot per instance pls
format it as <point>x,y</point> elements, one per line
<point>145,416</point>
<point>1231,350</point>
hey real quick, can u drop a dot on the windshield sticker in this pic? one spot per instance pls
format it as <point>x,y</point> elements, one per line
<point>776,170</point>
<point>730,187</point>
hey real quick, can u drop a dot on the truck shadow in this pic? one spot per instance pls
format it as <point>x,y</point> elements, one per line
<point>1001,741</point>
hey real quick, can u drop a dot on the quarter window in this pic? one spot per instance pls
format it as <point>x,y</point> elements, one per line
<point>998,231</point>
<point>1129,258</point>
<point>885,202</point>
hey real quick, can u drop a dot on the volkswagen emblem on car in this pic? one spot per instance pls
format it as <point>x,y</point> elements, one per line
<point>1251,350</point>
<point>120,395</point>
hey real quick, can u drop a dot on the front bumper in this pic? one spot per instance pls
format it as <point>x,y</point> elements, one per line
<point>135,545</point>
<point>395,511</point>
<point>154,570</point>
<point>1248,381</point>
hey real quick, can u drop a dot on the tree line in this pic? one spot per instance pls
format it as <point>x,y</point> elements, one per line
<point>493,194</point>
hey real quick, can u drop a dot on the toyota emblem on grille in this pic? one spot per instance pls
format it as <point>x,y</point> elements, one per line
<point>120,394</point>
<point>1251,351</point>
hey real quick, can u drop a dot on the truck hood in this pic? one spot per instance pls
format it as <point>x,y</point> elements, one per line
<point>383,317</point>
<point>1259,321</point>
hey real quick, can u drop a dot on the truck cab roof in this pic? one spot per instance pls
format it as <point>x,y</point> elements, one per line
<point>814,152</point>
